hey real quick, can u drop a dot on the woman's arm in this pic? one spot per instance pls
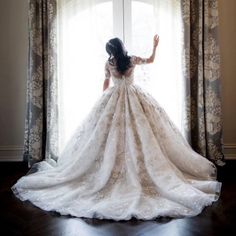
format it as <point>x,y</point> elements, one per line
<point>106,84</point>
<point>107,77</point>
<point>139,60</point>
<point>155,44</point>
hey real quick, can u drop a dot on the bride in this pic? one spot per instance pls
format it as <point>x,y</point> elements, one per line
<point>127,158</point>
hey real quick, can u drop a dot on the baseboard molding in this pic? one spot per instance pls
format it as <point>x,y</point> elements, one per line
<point>230,151</point>
<point>11,153</point>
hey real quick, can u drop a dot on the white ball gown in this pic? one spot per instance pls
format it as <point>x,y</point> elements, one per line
<point>127,159</point>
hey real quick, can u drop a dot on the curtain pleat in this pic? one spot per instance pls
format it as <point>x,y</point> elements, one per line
<point>203,113</point>
<point>41,123</point>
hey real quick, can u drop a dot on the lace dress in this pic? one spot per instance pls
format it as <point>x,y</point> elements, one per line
<point>127,159</point>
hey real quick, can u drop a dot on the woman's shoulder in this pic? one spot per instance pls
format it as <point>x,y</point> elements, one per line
<point>132,58</point>
<point>110,62</point>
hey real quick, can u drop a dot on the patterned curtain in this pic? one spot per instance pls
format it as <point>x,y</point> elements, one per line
<point>41,129</point>
<point>203,118</point>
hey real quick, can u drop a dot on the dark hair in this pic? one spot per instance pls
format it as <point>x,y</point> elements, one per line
<point>115,47</point>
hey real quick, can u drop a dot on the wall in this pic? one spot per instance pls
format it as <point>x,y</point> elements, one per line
<point>227,10</point>
<point>13,71</point>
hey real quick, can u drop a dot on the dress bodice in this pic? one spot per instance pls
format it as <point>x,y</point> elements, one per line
<point>128,77</point>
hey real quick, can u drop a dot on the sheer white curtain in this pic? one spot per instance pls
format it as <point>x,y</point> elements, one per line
<point>84,28</point>
<point>164,78</point>
<point>167,76</point>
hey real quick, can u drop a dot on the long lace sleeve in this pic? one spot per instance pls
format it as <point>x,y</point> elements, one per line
<point>138,60</point>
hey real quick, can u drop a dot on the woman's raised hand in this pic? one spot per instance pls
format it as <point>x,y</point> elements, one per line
<point>155,40</point>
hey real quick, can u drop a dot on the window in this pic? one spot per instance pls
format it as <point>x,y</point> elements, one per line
<point>85,27</point>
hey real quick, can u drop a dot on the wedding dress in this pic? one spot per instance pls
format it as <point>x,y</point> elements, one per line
<point>127,159</point>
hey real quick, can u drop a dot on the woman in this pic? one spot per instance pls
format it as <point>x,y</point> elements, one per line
<point>127,159</point>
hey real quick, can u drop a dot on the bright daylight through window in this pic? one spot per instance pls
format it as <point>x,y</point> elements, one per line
<point>85,27</point>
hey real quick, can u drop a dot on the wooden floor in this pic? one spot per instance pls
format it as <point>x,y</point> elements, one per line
<point>22,218</point>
